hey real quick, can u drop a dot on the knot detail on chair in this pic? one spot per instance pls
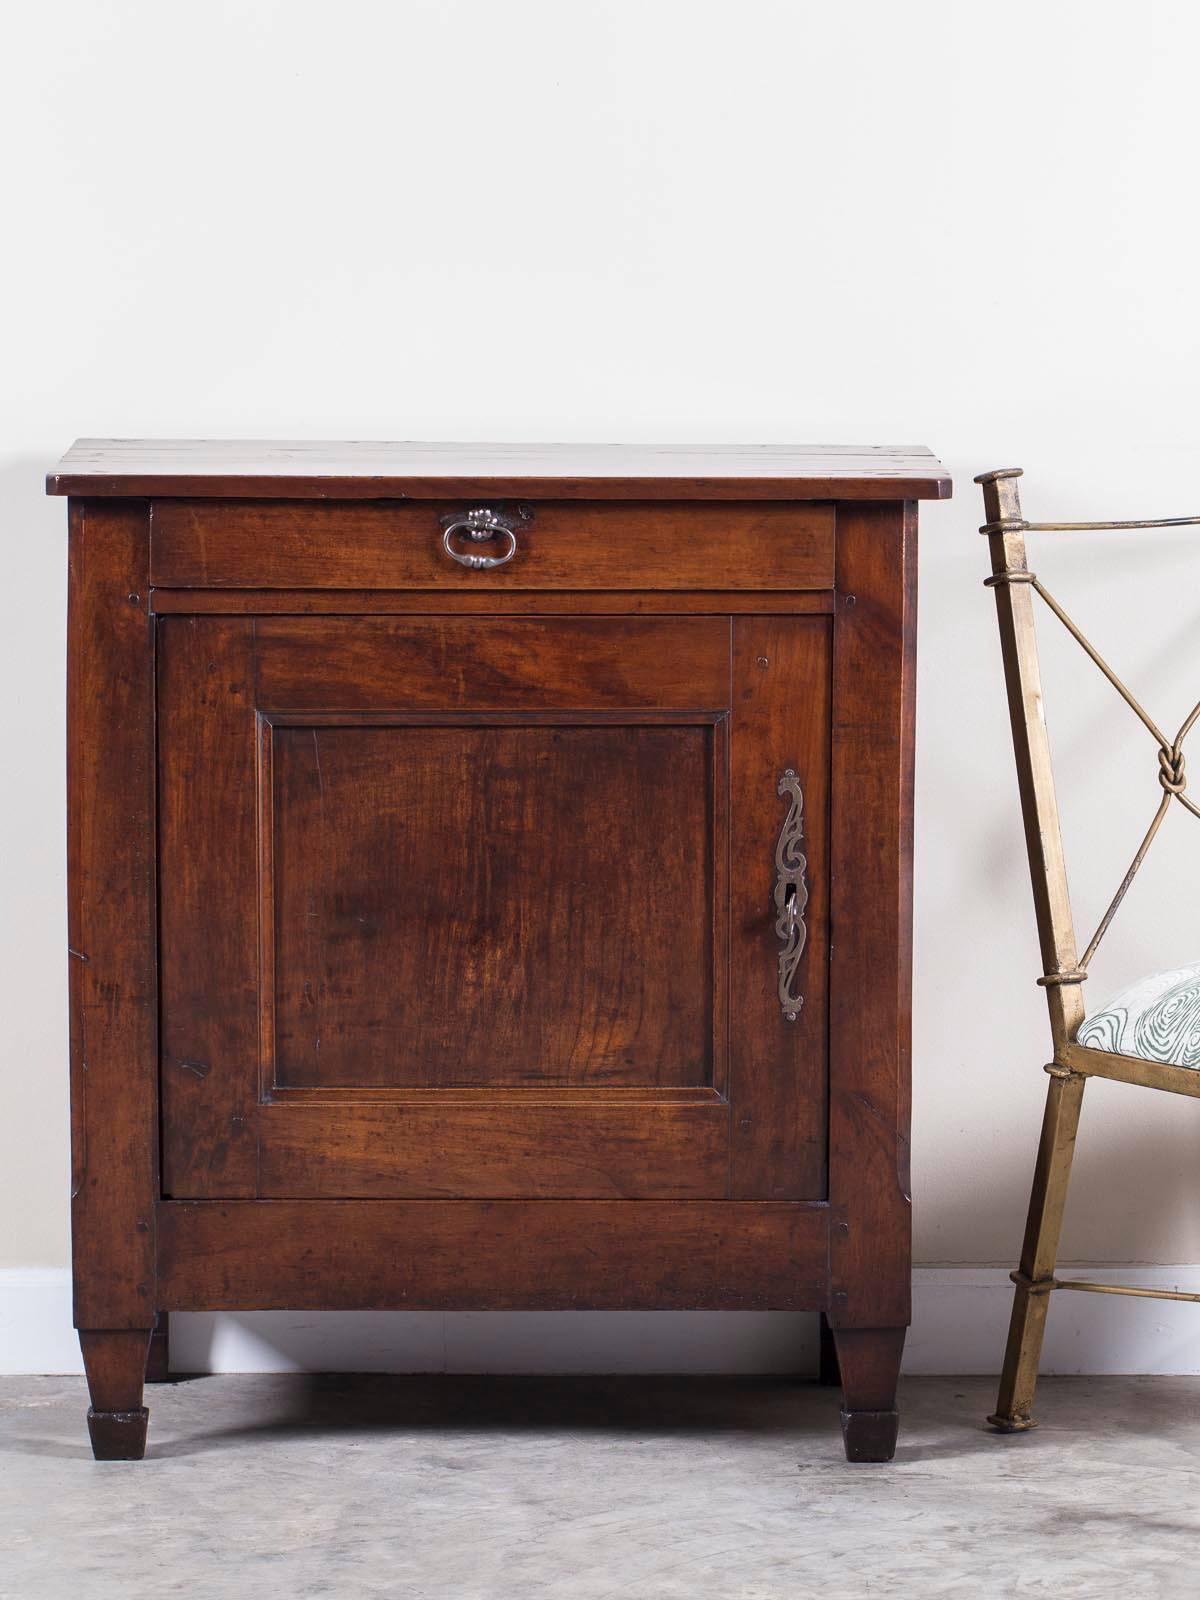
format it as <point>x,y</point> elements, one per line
<point>1171,765</point>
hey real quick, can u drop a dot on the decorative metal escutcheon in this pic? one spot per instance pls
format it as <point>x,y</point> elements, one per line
<point>479,525</point>
<point>791,893</point>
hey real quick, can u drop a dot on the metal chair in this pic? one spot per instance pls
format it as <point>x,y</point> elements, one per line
<point>1148,1035</point>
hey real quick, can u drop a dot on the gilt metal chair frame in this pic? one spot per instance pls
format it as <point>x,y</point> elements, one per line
<point>1063,970</point>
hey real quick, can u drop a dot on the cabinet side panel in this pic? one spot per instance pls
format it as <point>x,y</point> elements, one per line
<point>871,965</point>
<point>208,908</point>
<point>780,720</point>
<point>111,915</point>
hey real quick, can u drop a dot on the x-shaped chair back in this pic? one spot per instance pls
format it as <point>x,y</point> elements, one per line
<point>1064,971</point>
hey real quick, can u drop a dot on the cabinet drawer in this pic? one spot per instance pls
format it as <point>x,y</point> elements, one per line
<point>553,545</point>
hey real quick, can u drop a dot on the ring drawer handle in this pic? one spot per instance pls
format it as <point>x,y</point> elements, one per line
<point>479,525</point>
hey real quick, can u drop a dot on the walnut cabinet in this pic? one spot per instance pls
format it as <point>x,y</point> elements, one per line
<point>490,887</point>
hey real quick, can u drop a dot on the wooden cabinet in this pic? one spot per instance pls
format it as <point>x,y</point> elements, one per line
<point>489,877</point>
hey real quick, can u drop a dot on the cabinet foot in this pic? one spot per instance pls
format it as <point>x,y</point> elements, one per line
<point>869,1359</point>
<point>115,1362</point>
<point>870,1435</point>
<point>118,1435</point>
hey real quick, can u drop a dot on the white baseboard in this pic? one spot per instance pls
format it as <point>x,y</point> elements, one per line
<point>960,1318</point>
<point>36,1334</point>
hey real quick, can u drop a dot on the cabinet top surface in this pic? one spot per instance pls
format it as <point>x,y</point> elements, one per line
<point>366,470</point>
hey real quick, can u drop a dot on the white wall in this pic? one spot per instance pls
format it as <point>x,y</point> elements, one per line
<point>964,225</point>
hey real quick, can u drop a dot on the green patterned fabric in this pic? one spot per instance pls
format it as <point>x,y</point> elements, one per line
<point>1157,1018</point>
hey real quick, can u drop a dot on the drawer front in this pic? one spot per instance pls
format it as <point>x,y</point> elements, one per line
<point>552,545</point>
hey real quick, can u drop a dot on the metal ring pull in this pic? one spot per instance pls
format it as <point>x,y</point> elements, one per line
<point>479,524</point>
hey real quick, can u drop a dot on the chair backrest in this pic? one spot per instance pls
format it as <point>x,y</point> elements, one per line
<point>1063,968</point>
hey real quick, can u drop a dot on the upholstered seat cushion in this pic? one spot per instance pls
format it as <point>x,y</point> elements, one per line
<point>1157,1018</point>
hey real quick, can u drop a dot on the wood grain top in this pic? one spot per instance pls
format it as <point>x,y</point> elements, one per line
<point>370,470</point>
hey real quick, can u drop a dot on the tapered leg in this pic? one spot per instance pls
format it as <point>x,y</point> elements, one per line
<point>1034,1280</point>
<point>115,1363</point>
<point>869,1359</point>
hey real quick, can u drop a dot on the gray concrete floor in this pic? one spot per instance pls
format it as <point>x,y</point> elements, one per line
<point>593,1489</point>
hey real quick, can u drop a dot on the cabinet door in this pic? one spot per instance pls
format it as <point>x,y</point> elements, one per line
<point>486,907</point>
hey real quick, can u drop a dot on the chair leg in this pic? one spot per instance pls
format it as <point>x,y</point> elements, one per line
<point>1038,1255</point>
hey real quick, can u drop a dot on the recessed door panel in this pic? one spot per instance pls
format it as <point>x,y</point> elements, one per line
<point>492,906</point>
